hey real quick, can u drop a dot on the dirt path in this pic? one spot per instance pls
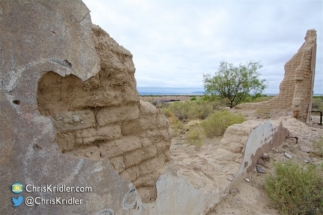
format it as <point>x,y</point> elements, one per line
<point>197,166</point>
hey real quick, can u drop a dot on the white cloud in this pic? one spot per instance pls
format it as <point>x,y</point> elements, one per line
<point>175,42</point>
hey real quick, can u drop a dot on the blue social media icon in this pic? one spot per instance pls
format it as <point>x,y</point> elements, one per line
<point>17,201</point>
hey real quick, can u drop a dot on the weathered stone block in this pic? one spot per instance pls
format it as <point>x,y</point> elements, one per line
<point>118,164</point>
<point>114,114</point>
<point>150,151</point>
<point>139,155</point>
<point>65,141</point>
<point>161,146</point>
<point>151,165</point>
<point>100,97</point>
<point>153,135</point>
<point>131,127</point>
<point>103,133</point>
<point>134,157</point>
<point>147,180</point>
<point>148,194</point>
<point>120,146</point>
<point>130,94</point>
<point>127,144</point>
<point>166,134</point>
<point>133,173</point>
<point>148,122</point>
<point>147,108</point>
<point>90,152</point>
<point>162,121</point>
<point>145,142</point>
<point>107,97</point>
<point>74,120</point>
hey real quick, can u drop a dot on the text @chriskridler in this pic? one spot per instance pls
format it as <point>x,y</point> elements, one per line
<point>31,201</point>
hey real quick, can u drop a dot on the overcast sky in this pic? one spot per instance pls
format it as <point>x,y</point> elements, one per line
<point>175,42</point>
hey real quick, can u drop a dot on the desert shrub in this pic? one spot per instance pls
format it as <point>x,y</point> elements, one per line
<point>175,124</point>
<point>195,136</point>
<point>167,111</point>
<point>216,100</point>
<point>190,109</point>
<point>219,121</point>
<point>224,102</point>
<point>180,109</point>
<point>296,189</point>
<point>193,99</point>
<point>192,123</point>
<point>200,109</point>
<point>210,98</point>
<point>318,147</point>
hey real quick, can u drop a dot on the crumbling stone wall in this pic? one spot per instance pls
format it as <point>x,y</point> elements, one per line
<point>103,118</point>
<point>296,89</point>
<point>244,143</point>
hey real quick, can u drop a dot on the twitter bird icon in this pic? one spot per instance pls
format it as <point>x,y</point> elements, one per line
<point>17,201</point>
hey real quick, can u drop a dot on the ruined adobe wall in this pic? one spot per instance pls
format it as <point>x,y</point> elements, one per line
<point>295,91</point>
<point>243,144</point>
<point>102,118</point>
<point>72,114</point>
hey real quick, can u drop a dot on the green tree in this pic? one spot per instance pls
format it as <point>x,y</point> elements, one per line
<point>235,83</point>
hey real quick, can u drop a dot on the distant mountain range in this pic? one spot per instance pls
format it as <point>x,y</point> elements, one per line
<point>181,91</point>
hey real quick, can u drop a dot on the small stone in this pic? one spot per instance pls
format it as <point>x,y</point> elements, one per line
<point>265,157</point>
<point>247,179</point>
<point>275,150</point>
<point>261,162</point>
<point>238,200</point>
<point>234,191</point>
<point>287,155</point>
<point>259,169</point>
<point>230,177</point>
<point>76,118</point>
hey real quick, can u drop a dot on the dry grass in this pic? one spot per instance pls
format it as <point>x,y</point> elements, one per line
<point>296,189</point>
<point>195,136</point>
<point>175,123</point>
<point>219,121</point>
<point>318,146</point>
<point>263,113</point>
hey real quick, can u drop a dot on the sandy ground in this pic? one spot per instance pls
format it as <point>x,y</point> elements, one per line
<point>249,196</point>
